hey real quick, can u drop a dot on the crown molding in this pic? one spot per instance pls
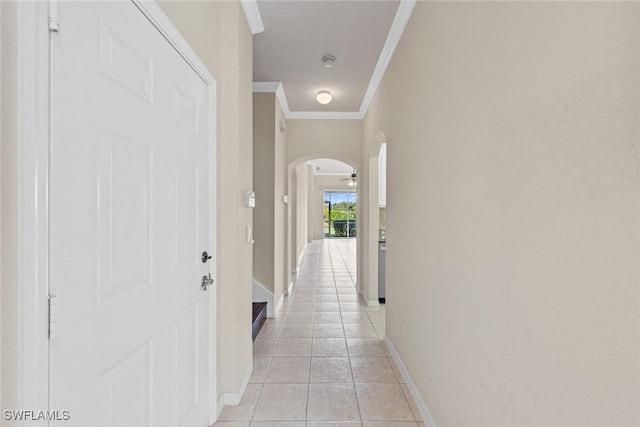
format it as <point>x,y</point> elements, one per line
<point>282,99</point>
<point>395,33</point>
<point>266,87</point>
<point>274,87</point>
<point>252,12</point>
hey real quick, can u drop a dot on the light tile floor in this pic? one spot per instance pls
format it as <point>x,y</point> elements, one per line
<point>321,362</point>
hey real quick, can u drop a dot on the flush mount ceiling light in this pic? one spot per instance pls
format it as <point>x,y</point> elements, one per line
<point>328,61</point>
<point>324,97</point>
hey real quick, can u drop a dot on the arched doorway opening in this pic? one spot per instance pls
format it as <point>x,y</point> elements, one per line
<point>322,204</point>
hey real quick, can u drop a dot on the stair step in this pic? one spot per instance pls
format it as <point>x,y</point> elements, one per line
<point>259,316</point>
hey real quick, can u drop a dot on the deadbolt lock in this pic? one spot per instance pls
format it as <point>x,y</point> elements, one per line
<point>205,257</point>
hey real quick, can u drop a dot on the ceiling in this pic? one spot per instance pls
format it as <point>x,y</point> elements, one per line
<point>297,34</point>
<point>330,167</point>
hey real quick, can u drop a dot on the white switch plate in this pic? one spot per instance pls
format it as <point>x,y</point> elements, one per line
<point>251,199</point>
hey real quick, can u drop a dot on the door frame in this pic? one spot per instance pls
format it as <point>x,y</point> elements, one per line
<point>33,109</point>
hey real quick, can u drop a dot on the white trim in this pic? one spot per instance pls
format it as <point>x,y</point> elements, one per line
<point>252,12</point>
<point>274,87</point>
<point>306,244</point>
<point>373,303</point>
<point>233,399</point>
<point>290,288</point>
<point>213,248</point>
<point>422,407</point>
<point>266,87</point>
<point>260,293</point>
<point>33,205</point>
<point>395,33</point>
<point>282,99</point>
<point>279,306</point>
<point>163,24</point>
<point>220,407</point>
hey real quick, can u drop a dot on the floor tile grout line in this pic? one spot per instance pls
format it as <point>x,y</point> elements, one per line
<point>334,262</point>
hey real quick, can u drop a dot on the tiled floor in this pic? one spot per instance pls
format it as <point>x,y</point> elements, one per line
<point>321,362</point>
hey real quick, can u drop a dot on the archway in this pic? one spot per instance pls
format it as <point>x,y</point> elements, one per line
<point>298,173</point>
<point>371,217</point>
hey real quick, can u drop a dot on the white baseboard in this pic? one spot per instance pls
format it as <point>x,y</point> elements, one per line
<point>261,294</point>
<point>233,399</point>
<point>306,245</point>
<point>219,408</point>
<point>279,303</point>
<point>422,407</point>
<point>373,303</point>
<point>290,288</point>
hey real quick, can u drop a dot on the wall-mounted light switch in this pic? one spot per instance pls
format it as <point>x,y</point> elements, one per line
<point>251,199</point>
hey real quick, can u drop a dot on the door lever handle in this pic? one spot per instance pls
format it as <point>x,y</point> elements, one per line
<point>206,282</point>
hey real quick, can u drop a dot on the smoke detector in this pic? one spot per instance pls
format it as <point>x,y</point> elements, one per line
<point>328,61</point>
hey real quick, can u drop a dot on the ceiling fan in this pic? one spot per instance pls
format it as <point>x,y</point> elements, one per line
<point>352,179</point>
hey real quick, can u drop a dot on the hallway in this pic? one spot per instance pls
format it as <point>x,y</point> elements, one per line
<point>321,360</point>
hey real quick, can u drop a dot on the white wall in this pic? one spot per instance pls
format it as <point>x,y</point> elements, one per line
<point>513,212</point>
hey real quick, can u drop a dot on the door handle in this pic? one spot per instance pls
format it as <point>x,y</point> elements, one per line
<point>206,282</point>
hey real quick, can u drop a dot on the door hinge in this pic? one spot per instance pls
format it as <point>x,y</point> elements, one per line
<point>54,26</point>
<point>53,316</point>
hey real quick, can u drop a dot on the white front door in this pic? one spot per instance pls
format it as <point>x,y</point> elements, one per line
<point>129,212</point>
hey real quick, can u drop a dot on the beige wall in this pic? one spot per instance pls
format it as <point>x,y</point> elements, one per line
<point>269,219</point>
<point>264,116</point>
<point>314,139</point>
<point>281,272</point>
<point>333,139</point>
<point>302,209</point>
<point>514,210</point>
<point>219,34</point>
<point>310,202</point>
<point>8,204</point>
